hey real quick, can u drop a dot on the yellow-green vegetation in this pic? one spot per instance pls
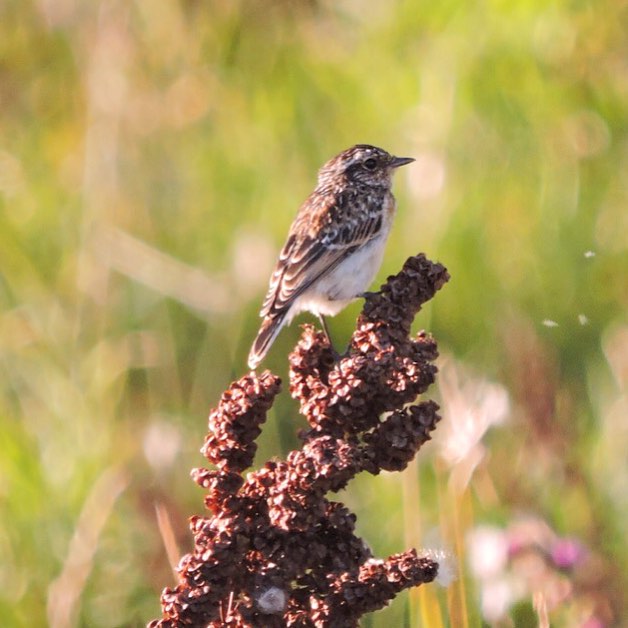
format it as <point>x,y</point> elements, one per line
<point>152,157</point>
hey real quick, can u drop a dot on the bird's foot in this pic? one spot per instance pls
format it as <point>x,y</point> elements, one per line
<point>366,294</point>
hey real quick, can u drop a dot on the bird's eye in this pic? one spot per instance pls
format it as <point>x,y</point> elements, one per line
<point>370,163</point>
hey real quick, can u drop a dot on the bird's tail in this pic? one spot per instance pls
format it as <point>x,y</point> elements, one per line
<point>271,326</point>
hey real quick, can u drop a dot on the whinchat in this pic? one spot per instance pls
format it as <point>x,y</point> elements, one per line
<point>335,244</point>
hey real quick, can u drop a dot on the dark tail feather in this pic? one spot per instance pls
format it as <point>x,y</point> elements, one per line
<point>265,337</point>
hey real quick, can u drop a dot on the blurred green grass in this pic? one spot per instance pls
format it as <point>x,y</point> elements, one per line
<point>152,156</point>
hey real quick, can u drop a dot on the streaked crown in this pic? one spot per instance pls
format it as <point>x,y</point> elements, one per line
<point>364,164</point>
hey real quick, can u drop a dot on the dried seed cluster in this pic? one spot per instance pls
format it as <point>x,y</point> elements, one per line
<point>275,551</point>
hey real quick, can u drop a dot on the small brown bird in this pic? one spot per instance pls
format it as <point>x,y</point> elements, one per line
<point>336,243</point>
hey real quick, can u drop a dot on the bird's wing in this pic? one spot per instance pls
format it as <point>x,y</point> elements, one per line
<point>315,247</point>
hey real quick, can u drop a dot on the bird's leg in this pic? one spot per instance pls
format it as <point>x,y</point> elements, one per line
<point>366,294</point>
<point>321,318</point>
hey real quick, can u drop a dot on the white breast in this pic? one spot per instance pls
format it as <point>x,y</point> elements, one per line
<point>347,281</point>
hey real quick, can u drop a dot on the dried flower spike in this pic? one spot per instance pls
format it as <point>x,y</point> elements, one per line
<point>275,551</point>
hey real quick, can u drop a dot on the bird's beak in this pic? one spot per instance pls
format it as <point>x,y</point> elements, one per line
<point>395,162</point>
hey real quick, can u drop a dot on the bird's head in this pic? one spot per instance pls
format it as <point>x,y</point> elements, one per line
<point>363,164</point>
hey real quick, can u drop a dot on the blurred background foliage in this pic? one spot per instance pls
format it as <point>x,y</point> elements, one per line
<point>152,157</point>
